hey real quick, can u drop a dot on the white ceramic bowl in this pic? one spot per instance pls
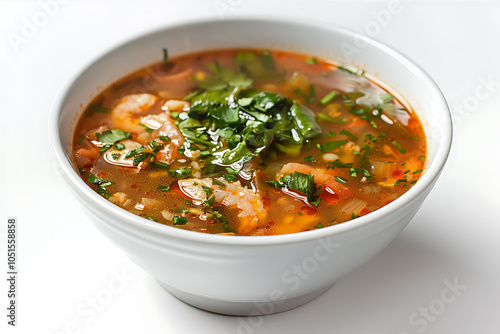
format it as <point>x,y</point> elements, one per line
<point>253,275</point>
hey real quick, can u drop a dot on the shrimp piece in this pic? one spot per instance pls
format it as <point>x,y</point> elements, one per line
<point>252,213</point>
<point>320,177</point>
<point>126,114</point>
<point>168,129</point>
<point>120,199</point>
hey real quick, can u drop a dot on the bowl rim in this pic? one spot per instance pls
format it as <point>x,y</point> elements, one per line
<point>431,171</point>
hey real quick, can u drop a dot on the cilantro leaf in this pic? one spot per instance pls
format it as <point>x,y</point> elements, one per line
<point>180,173</point>
<point>300,182</point>
<point>109,137</point>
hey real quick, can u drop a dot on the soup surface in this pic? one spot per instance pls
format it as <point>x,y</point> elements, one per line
<point>248,142</point>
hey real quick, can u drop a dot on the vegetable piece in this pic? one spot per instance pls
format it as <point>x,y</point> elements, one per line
<point>311,61</point>
<point>309,159</point>
<point>179,220</point>
<point>268,60</point>
<point>331,145</point>
<point>101,185</point>
<point>399,147</point>
<point>305,121</point>
<point>340,180</point>
<point>110,137</point>
<point>348,134</point>
<point>99,109</point>
<point>162,188</point>
<point>180,173</point>
<point>328,98</point>
<point>248,62</point>
<point>354,206</point>
<point>327,118</point>
<point>300,182</point>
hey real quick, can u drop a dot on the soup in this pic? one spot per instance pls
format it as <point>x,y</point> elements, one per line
<point>249,142</point>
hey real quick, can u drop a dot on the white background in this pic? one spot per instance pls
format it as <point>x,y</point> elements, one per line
<point>64,261</point>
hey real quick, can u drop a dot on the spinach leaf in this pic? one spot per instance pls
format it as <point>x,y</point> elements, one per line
<point>305,121</point>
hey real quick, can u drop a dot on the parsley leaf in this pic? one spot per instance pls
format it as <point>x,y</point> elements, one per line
<point>109,137</point>
<point>331,145</point>
<point>180,173</point>
<point>179,220</point>
<point>300,182</point>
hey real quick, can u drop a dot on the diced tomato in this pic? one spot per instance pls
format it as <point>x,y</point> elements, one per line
<point>307,210</point>
<point>397,174</point>
<point>364,211</point>
<point>328,196</point>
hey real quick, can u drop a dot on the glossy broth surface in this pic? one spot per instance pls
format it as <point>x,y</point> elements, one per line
<point>249,142</point>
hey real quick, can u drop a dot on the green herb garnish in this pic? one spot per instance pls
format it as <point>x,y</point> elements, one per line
<point>327,118</point>
<point>179,220</point>
<point>398,146</point>
<point>162,188</point>
<point>331,145</point>
<point>328,97</point>
<point>311,61</point>
<point>348,134</point>
<point>180,173</point>
<point>309,159</point>
<point>300,182</point>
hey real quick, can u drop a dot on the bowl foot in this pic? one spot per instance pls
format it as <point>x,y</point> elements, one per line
<point>256,308</point>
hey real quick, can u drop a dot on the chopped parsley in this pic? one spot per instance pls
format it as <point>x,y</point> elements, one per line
<point>328,97</point>
<point>161,165</point>
<point>300,182</point>
<point>309,159</point>
<point>99,109</point>
<point>101,185</point>
<point>110,137</point>
<point>398,146</point>
<point>231,174</point>
<point>148,129</point>
<point>162,188</point>
<point>179,220</point>
<point>348,134</point>
<point>311,61</point>
<point>207,190</point>
<point>149,217</point>
<point>331,145</point>
<point>355,172</point>
<point>340,180</point>
<point>327,118</point>
<point>164,138</point>
<point>180,173</point>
